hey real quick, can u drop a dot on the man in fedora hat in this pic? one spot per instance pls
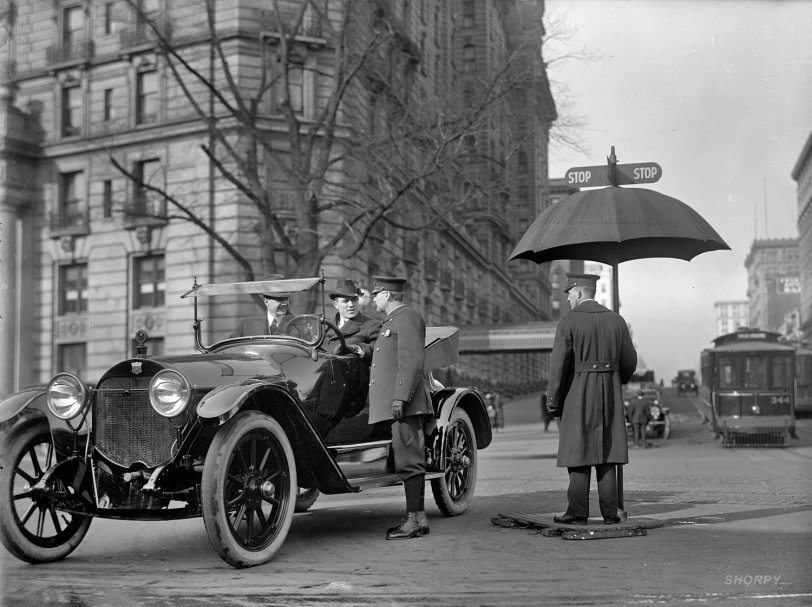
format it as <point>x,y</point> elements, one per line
<point>592,356</point>
<point>276,307</point>
<point>398,391</point>
<point>359,330</point>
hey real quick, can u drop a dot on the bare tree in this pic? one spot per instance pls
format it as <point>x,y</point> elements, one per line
<point>381,146</point>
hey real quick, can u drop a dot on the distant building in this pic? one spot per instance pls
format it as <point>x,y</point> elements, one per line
<point>802,174</point>
<point>604,293</point>
<point>561,267</point>
<point>730,315</point>
<point>773,281</point>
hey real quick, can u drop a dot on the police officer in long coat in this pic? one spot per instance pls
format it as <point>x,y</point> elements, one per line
<point>399,391</point>
<point>592,356</point>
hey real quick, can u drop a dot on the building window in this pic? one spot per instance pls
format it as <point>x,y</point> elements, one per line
<point>468,56</point>
<point>468,13</point>
<point>147,172</point>
<point>146,99</point>
<point>108,105</point>
<point>71,110</point>
<point>108,18</point>
<point>73,25</point>
<point>72,289</point>
<point>107,199</point>
<point>149,285</point>
<point>72,358</point>
<point>71,203</point>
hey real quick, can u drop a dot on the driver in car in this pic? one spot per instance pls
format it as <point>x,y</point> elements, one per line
<point>359,331</point>
<point>276,308</point>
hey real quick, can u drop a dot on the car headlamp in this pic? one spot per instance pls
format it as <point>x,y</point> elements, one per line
<point>169,393</point>
<point>66,396</point>
<point>655,411</point>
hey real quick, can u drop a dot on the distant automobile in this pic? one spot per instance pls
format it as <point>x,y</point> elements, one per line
<point>241,434</point>
<point>659,424</point>
<point>686,382</point>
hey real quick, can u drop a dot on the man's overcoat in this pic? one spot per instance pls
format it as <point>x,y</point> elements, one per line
<point>397,366</point>
<point>592,356</point>
<point>361,330</point>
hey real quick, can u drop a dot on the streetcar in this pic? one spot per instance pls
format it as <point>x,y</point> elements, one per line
<point>803,382</point>
<point>748,388</point>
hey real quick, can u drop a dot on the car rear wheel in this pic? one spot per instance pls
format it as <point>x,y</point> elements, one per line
<point>31,528</point>
<point>454,491</point>
<point>305,498</point>
<point>248,489</point>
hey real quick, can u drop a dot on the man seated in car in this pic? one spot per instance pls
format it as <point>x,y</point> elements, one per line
<point>276,308</point>
<point>359,331</point>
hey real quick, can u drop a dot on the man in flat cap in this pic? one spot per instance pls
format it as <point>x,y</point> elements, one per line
<point>359,331</point>
<point>398,391</point>
<point>276,307</point>
<point>592,356</point>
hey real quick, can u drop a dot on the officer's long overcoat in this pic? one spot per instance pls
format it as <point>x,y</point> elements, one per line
<point>397,366</point>
<point>592,356</point>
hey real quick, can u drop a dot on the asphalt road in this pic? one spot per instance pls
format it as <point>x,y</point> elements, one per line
<point>737,530</point>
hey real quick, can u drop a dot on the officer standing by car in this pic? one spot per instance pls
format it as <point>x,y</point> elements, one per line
<point>592,356</point>
<point>398,391</point>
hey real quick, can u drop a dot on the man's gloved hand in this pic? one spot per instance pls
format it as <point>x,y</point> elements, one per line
<point>397,409</point>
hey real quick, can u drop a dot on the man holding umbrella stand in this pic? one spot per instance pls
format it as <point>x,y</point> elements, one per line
<point>592,356</point>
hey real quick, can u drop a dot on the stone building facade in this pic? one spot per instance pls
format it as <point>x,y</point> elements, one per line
<point>802,174</point>
<point>773,281</point>
<point>731,315</point>
<point>89,256</point>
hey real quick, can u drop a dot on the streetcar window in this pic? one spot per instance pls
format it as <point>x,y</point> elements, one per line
<point>755,372</point>
<point>727,372</point>
<point>781,372</point>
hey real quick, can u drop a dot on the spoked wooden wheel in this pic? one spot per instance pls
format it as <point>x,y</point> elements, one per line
<point>249,489</point>
<point>454,491</point>
<point>31,528</point>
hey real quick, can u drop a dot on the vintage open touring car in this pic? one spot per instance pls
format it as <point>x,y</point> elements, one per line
<point>237,433</point>
<point>659,416</point>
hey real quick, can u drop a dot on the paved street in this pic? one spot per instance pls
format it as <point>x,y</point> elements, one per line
<point>737,530</point>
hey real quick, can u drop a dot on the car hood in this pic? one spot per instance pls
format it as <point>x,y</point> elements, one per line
<point>205,371</point>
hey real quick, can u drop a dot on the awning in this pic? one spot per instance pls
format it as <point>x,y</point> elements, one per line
<point>526,337</point>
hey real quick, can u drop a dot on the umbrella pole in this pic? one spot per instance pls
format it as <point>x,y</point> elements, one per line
<point>621,510</point>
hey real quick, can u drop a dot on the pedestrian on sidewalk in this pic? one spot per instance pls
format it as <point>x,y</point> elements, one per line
<point>592,356</point>
<point>398,390</point>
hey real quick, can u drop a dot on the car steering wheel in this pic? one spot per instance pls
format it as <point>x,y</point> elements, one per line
<point>334,329</point>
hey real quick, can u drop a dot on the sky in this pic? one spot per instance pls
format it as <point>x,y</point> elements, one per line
<point>719,94</point>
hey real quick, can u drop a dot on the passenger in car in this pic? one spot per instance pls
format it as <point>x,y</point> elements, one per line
<point>276,306</point>
<point>359,330</point>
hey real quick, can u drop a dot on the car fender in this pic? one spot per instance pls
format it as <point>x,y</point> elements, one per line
<point>227,400</point>
<point>448,399</point>
<point>315,467</point>
<point>20,410</point>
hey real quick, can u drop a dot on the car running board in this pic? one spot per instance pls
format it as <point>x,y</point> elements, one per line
<point>369,482</point>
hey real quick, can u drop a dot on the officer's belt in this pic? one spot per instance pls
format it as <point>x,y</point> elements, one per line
<point>601,366</point>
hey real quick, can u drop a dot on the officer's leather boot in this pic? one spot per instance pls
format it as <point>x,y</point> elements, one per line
<point>407,529</point>
<point>421,510</point>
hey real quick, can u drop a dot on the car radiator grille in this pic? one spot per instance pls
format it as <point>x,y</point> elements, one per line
<point>126,428</point>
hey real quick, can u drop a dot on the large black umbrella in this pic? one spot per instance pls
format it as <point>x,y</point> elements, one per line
<point>615,224</point>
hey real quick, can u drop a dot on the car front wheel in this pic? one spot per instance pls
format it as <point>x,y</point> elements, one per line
<point>454,491</point>
<point>248,489</point>
<point>31,528</point>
